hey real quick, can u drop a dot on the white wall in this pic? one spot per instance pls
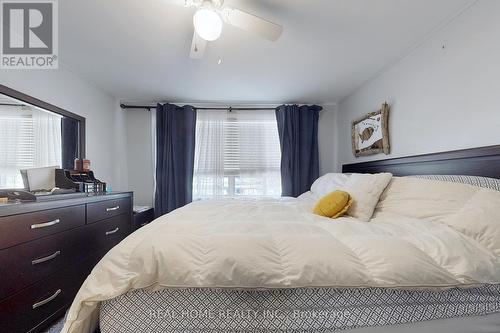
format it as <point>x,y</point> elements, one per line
<point>328,139</point>
<point>139,155</point>
<point>118,141</point>
<point>104,121</point>
<point>442,98</point>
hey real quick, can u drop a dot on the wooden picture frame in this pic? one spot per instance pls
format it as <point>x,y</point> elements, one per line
<point>370,133</point>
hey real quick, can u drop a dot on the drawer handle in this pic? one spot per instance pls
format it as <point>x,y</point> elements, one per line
<point>47,258</point>
<point>110,209</point>
<point>44,225</point>
<point>47,300</point>
<point>112,231</point>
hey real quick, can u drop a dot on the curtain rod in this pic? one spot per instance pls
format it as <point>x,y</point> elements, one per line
<point>149,107</point>
<point>8,104</point>
<point>230,108</point>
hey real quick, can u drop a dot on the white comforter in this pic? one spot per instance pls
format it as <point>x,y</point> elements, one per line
<point>449,236</point>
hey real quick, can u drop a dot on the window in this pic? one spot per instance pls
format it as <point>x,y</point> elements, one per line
<point>237,155</point>
<point>29,138</point>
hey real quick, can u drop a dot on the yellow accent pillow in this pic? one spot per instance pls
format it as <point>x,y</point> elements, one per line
<point>333,205</point>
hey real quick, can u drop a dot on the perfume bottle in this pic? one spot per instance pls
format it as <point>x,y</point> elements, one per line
<point>78,164</point>
<point>86,165</point>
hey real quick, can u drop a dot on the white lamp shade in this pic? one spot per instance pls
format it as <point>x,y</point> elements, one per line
<point>208,24</point>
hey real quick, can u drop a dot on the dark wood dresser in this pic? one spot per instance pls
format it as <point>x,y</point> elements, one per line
<point>47,249</point>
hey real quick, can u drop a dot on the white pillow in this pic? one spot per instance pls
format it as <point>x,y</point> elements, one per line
<point>365,189</point>
<point>328,183</point>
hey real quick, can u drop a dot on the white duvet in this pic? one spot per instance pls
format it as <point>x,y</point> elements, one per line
<point>424,234</point>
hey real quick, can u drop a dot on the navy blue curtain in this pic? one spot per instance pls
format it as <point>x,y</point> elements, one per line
<point>175,139</point>
<point>69,142</point>
<point>298,132</point>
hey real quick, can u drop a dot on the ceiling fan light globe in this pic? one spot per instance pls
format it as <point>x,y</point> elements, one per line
<point>208,24</point>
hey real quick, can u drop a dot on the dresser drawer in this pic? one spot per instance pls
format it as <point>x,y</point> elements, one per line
<point>105,209</point>
<point>34,305</point>
<point>33,261</point>
<point>109,232</point>
<point>25,227</point>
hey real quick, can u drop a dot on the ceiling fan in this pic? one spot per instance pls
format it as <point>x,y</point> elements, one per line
<point>208,22</point>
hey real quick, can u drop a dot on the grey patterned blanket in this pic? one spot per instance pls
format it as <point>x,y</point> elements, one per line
<point>288,310</point>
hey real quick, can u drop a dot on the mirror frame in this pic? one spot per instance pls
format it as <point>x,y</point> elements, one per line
<point>52,108</point>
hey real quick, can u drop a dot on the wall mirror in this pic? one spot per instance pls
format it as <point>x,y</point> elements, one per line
<point>35,134</point>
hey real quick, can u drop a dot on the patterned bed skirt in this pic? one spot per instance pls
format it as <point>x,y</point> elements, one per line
<point>288,310</point>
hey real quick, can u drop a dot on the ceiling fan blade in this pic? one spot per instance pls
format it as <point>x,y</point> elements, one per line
<point>198,46</point>
<point>243,20</point>
<point>183,3</point>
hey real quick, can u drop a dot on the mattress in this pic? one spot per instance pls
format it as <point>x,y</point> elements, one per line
<point>425,235</point>
<point>291,310</point>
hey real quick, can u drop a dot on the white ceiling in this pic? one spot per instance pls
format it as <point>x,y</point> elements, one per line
<point>138,49</point>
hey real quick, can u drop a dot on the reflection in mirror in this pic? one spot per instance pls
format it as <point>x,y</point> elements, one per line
<point>31,137</point>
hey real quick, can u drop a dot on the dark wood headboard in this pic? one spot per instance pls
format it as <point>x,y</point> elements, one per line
<point>484,161</point>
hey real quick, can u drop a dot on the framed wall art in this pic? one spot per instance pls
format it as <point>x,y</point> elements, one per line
<point>370,133</point>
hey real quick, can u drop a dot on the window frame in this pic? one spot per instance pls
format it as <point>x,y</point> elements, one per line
<point>231,175</point>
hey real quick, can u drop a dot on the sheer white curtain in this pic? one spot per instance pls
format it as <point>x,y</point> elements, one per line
<point>46,139</point>
<point>29,138</point>
<point>237,154</point>
<point>210,147</point>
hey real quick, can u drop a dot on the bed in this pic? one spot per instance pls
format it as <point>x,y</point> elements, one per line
<point>272,266</point>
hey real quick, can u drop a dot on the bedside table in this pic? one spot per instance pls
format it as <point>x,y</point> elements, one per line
<point>143,217</point>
